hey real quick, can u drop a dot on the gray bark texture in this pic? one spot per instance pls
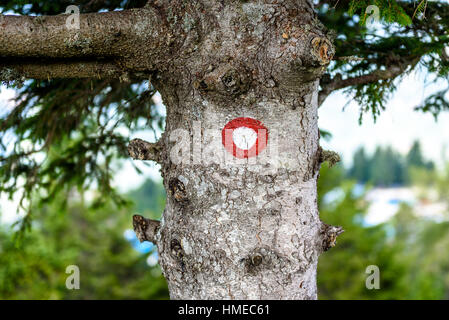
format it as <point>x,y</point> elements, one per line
<point>232,228</point>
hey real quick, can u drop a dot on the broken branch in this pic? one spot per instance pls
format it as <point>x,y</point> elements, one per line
<point>330,157</point>
<point>139,149</point>
<point>145,229</point>
<point>329,235</point>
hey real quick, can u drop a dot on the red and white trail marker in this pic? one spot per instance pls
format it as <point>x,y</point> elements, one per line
<point>244,137</point>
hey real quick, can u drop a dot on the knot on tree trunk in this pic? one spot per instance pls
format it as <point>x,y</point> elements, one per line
<point>323,50</point>
<point>178,190</point>
<point>145,229</point>
<point>224,81</point>
<point>262,260</point>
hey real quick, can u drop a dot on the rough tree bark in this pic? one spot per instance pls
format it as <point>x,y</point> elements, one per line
<point>232,228</point>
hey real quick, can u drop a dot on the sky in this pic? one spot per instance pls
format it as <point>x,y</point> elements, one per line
<point>399,126</point>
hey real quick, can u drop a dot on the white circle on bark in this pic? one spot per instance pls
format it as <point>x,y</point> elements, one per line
<point>244,138</point>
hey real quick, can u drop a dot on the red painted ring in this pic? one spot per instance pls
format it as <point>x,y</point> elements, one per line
<point>231,147</point>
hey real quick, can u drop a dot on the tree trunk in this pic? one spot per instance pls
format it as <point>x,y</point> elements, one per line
<point>244,228</point>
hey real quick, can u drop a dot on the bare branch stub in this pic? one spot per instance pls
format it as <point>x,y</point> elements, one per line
<point>139,149</point>
<point>330,157</point>
<point>145,229</point>
<point>329,235</point>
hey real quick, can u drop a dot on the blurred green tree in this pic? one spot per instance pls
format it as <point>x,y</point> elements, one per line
<point>414,156</point>
<point>408,250</point>
<point>360,166</point>
<point>386,167</point>
<point>149,199</point>
<point>88,237</point>
<point>341,273</point>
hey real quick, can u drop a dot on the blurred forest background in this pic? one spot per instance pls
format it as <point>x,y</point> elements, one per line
<point>409,250</point>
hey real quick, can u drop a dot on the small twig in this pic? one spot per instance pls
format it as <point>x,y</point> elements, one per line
<point>349,58</point>
<point>335,6</point>
<point>419,6</point>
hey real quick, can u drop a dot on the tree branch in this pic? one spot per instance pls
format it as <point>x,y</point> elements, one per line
<point>112,42</point>
<point>139,149</point>
<point>145,229</point>
<point>75,69</point>
<point>338,83</point>
<point>100,34</point>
